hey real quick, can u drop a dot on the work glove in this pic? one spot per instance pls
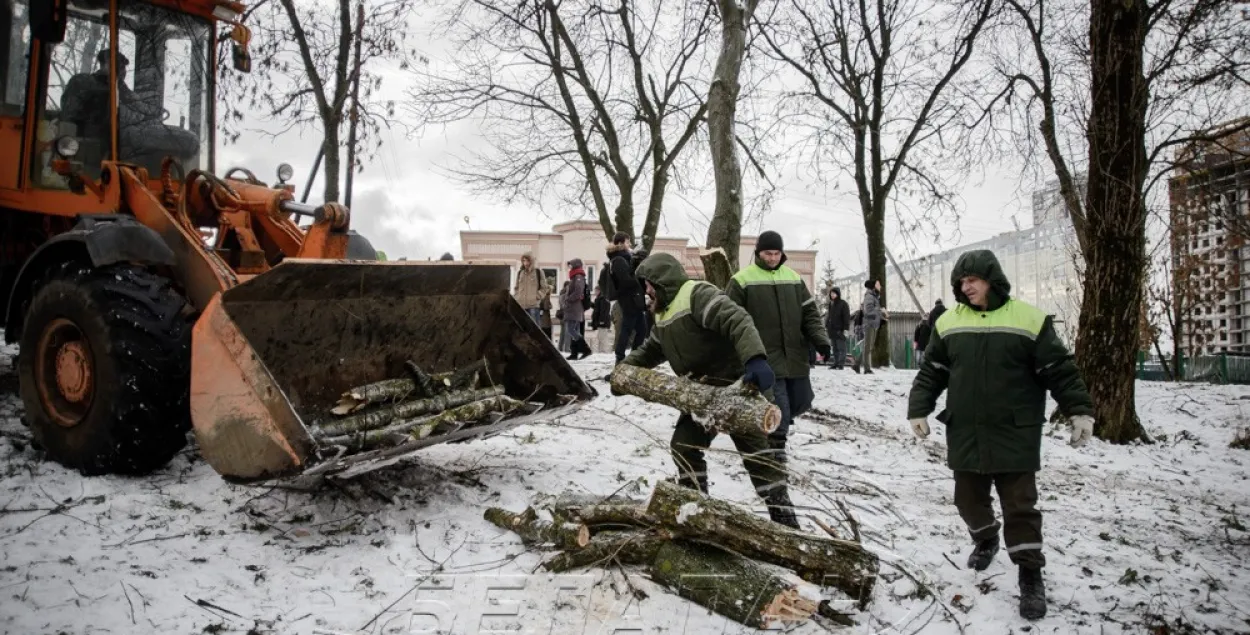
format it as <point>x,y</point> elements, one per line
<point>920,427</point>
<point>825,350</point>
<point>1082,430</point>
<point>759,374</point>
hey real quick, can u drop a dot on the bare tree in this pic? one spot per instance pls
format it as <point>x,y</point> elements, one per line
<point>1119,88</point>
<point>879,100</point>
<point>591,102</point>
<point>305,72</point>
<point>724,232</point>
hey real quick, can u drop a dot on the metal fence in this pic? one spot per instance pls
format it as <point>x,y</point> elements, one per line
<point>1216,369</point>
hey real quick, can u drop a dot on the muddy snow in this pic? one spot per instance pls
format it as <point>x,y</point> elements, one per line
<point>1136,536</point>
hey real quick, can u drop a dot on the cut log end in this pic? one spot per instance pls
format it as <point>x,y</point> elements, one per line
<point>791,605</point>
<point>772,419</point>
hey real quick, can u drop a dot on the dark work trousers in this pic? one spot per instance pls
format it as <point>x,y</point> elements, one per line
<point>690,440</point>
<point>839,350</point>
<point>1022,523</point>
<point>633,328</point>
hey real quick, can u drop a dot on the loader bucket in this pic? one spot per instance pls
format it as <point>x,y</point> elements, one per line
<point>271,356</point>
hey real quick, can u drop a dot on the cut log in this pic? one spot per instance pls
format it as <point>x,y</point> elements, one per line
<point>406,410</point>
<point>380,391</point>
<point>595,510</point>
<point>533,529</point>
<point>741,589</point>
<point>726,409</point>
<point>625,547</point>
<point>408,429</point>
<point>843,564</point>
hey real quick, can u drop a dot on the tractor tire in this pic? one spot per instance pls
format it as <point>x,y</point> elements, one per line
<point>105,368</point>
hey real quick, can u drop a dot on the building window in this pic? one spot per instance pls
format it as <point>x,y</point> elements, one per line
<point>1206,242</point>
<point>1223,323</point>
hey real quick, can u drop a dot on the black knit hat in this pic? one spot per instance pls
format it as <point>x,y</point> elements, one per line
<point>769,240</point>
<point>870,283</point>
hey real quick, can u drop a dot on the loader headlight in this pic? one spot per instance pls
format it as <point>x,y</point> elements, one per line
<point>285,172</point>
<point>67,147</point>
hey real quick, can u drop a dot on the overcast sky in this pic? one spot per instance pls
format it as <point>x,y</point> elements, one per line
<point>407,205</point>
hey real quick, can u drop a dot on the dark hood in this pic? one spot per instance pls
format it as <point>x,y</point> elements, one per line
<point>664,273</point>
<point>575,263</point>
<point>759,262</point>
<point>983,264</point>
<point>614,250</point>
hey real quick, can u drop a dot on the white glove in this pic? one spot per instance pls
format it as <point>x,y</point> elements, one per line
<point>1082,430</point>
<point>920,427</point>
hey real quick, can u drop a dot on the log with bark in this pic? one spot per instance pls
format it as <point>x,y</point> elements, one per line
<point>418,384</point>
<point>533,528</point>
<point>741,589</point>
<point>843,564</point>
<point>730,409</point>
<point>623,547</point>
<point>406,410</point>
<point>596,511</point>
<point>405,430</point>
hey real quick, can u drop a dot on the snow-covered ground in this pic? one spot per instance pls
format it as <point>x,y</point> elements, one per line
<point>1136,535</point>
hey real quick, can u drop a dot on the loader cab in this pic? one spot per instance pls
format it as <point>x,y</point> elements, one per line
<point>128,81</point>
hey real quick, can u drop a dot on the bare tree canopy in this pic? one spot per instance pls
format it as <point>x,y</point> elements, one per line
<point>308,59</point>
<point>587,102</point>
<point>880,102</point>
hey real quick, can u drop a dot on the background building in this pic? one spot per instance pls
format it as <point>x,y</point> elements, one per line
<point>1040,262</point>
<point>1208,211</point>
<point>584,239</point>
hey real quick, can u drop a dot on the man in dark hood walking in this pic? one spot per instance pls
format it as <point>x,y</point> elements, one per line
<point>837,323</point>
<point>701,334</point>
<point>788,321</point>
<point>628,294</point>
<point>997,357</point>
<point>938,310</point>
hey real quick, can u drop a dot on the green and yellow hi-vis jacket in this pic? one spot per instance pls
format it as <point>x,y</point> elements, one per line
<point>996,365</point>
<point>700,332</point>
<point>784,312</point>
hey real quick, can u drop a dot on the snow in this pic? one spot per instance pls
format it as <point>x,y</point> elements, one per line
<point>1135,534</point>
<point>686,512</point>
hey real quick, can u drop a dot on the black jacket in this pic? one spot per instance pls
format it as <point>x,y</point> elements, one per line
<point>629,293</point>
<point>936,313</point>
<point>921,336</point>
<point>837,317</point>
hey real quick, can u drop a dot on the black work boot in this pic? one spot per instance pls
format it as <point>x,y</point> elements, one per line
<point>780,509</point>
<point>983,554</point>
<point>1032,594</point>
<point>698,485</point>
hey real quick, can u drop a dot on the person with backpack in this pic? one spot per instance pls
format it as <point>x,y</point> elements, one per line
<point>574,300</point>
<point>601,321</point>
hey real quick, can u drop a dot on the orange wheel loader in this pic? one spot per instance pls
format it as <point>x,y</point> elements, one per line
<point>148,296</point>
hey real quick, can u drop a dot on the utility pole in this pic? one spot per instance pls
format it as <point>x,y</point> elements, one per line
<point>903,278</point>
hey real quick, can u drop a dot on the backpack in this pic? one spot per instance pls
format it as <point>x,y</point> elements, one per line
<point>587,301</point>
<point>858,318</point>
<point>606,284</point>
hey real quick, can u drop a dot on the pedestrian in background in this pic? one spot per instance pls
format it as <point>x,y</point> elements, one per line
<point>837,323</point>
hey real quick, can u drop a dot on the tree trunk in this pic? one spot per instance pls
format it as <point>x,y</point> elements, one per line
<point>742,590</point>
<point>659,184</point>
<point>354,117</point>
<point>727,409</point>
<point>624,547</point>
<point>843,564</point>
<point>874,226</point>
<point>1107,338</point>
<point>332,161</point>
<point>405,430</point>
<point>538,531</point>
<point>725,230</point>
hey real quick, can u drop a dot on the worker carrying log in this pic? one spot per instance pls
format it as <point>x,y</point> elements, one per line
<point>788,321</point>
<point>702,334</point>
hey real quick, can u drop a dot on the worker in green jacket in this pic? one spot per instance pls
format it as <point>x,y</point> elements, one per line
<point>701,334</point>
<point>788,320</point>
<point>997,357</point>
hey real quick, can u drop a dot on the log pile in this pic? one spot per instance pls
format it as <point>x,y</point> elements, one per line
<point>708,551</point>
<point>392,412</point>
